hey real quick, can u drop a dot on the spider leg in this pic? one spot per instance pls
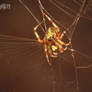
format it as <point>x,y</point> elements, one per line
<point>62,35</point>
<point>36,34</point>
<point>46,53</point>
<point>52,22</point>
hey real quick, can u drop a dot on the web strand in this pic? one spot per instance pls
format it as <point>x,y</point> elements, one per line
<point>25,6</point>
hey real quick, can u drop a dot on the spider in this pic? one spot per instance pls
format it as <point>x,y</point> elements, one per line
<point>53,40</point>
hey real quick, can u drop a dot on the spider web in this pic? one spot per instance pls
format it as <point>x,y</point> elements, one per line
<point>80,13</point>
<point>70,30</point>
<point>16,42</point>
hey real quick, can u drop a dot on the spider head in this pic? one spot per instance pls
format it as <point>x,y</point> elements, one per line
<point>51,33</point>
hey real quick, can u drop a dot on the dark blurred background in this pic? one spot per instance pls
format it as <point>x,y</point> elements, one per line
<point>23,66</point>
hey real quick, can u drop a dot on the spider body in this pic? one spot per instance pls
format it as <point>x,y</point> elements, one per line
<point>53,40</point>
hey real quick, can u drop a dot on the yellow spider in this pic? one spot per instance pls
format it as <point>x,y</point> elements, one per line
<point>52,41</point>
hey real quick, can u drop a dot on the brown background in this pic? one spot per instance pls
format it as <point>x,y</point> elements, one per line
<point>23,66</point>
